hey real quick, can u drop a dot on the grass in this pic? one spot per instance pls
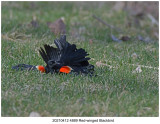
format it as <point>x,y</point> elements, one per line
<point>113,92</point>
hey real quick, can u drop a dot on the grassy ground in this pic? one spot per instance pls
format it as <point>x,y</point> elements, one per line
<point>114,92</point>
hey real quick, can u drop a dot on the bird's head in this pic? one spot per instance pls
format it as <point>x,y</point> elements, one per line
<point>52,63</point>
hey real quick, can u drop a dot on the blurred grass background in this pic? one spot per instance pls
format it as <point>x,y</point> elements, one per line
<point>114,92</point>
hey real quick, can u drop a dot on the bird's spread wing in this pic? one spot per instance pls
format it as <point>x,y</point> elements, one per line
<point>65,53</point>
<point>70,55</point>
<point>61,43</point>
<point>49,53</point>
<point>73,56</point>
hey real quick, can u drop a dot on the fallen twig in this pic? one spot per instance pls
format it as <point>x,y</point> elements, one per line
<point>103,22</point>
<point>154,21</point>
<point>103,64</point>
<point>144,66</point>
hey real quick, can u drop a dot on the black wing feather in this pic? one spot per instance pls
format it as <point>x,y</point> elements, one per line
<point>50,53</point>
<point>44,55</point>
<point>65,53</point>
<point>61,43</point>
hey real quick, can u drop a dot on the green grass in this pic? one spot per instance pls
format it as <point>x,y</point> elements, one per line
<point>113,92</point>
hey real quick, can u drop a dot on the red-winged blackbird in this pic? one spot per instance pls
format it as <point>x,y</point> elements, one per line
<point>66,58</point>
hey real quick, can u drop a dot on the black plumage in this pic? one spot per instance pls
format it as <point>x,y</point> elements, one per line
<point>65,54</point>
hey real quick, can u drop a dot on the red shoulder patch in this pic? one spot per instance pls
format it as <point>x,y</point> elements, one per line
<point>40,68</point>
<point>65,69</point>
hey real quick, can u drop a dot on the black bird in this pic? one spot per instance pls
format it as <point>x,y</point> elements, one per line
<point>66,58</point>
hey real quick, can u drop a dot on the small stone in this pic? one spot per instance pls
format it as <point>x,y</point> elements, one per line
<point>34,114</point>
<point>134,56</point>
<point>138,70</point>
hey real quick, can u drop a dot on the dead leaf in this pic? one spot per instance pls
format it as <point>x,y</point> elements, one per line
<point>34,114</point>
<point>58,27</point>
<point>125,38</point>
<point>138,70</point>
<point>99,64</point>
<point>119,6</point>
<point>134,56</point>
<point>91,41</point>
